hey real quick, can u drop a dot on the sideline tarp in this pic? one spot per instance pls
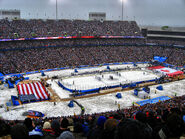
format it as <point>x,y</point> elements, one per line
<point>167,71</point>
<point>1,74</point>
<point>71,104</point>
<point>10,84</point>
<point>118,95</point>
<point>160,87</point>
<point>152,101</point>
<point>160,59</point>
<point>14,101</point>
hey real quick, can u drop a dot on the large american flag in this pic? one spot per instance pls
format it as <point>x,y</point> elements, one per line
<point>35,88</point>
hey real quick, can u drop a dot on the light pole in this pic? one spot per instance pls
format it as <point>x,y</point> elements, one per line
<point>122,10</point>
<point>56,10</point>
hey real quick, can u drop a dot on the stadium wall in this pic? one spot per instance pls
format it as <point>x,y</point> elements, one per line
<point>166,32</point>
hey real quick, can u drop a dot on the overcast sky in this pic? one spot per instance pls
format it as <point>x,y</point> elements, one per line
<point>145,12</point>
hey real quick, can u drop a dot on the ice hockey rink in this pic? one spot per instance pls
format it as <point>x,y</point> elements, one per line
<point>93,104</point>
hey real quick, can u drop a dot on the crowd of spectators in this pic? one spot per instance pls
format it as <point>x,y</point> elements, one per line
<point>86,42</point>
<point>56,57</point>
<point>69,42</point>
<point>161,120</point>
<point>52,28</point>
<point>151,121</point>
<point>76,52</point>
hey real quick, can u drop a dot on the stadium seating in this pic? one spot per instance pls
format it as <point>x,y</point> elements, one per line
<point>48,28</point>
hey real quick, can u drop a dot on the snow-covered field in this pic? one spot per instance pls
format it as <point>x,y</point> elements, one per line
<point>93,104</point>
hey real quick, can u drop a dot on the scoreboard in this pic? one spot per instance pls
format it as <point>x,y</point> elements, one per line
<point>10,14</point>
<point>100,16</point>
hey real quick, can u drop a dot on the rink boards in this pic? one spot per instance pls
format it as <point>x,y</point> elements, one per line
<point>107,79</point>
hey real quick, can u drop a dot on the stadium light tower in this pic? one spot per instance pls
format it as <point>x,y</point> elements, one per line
<point>56,9</point>
<point>122,7</point>
<point>122,10</point>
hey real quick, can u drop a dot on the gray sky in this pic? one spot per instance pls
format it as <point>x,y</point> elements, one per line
<point>145,12</point>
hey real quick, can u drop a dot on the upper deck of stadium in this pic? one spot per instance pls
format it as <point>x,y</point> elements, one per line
<point>51,28</point>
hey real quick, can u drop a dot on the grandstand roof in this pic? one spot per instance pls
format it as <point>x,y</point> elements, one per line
<point>158,28</point>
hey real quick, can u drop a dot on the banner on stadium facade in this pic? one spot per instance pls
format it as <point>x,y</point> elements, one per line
<point>69,37</point>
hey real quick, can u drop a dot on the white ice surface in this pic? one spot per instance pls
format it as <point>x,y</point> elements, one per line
<point>90,82</point>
